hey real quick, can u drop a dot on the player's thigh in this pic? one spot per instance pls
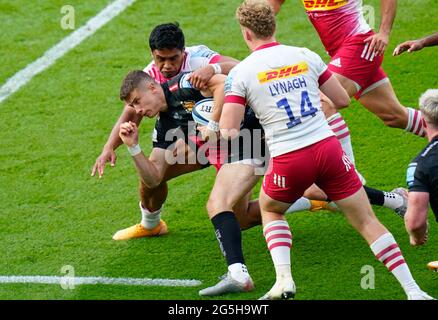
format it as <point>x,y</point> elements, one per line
<point>180,159</point>
<point>233,182</point>
<point>383,102</point>
<point>349,85</point>
<point>337,176</point>
<point>269,205</point>
<point>315,193</point>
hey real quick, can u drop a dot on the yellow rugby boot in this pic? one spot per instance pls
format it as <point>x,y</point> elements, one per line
<point>138,231</point>
<point>316,205</point>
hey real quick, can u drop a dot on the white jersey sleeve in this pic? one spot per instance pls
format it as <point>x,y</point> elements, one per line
<point>200,56</point>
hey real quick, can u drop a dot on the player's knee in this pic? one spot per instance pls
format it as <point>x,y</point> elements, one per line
<point>213,206</point>
<point>217,204</point>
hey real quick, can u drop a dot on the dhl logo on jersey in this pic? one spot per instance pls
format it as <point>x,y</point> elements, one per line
<point>284,72</point>
<point>323,5</point>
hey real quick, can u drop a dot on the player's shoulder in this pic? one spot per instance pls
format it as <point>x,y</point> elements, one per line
<point>180,82</point>
<point>200,51</point>
<point>428,157</point>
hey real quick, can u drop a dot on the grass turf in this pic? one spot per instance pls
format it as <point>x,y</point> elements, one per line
<point>54,214</point>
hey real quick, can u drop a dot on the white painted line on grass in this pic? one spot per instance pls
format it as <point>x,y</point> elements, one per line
<point>22,77</point>
<point>100,280</point>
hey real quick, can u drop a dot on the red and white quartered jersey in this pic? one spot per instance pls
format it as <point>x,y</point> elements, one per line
<point>336,20</point>
<point>196,57</point>
<point>281,84</point>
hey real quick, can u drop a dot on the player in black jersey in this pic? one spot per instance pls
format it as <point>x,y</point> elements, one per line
<point>422,174</point>
<point>174,131</point>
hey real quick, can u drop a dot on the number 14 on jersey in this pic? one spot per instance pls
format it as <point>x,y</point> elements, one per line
<point>307,109</point>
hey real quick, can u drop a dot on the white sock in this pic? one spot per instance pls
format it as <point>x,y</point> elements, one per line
<point>239,272</point>
<point>340,128</point>
<point>300,205</point>
<point>385,249</point>
<point>279,240</point>
<point>392,200</point>
<point>150,220</point>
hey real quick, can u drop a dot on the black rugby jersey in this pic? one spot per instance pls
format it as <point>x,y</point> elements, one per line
<point>422,174</point>
<point>177,120</point>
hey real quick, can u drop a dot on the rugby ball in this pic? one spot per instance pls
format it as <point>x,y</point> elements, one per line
<point>202,111</point>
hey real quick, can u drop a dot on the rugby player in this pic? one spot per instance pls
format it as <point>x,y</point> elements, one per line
<point>302,146</point>
<point>170,58</point>
<point>422,174</point>
<point>356,53</point>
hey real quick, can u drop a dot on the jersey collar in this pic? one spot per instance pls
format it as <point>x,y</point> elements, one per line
<point>267,45</point>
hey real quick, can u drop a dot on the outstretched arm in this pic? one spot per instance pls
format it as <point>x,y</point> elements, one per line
<point>199,78</point>
<point>416,45</point>
<point>113,142</point>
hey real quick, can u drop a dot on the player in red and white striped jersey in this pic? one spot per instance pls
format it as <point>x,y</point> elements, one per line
<point>282,83</point>
<point>356,53</point>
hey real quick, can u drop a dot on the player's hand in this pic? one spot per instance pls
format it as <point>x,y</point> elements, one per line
<point>377,44</point>
<point>208,134</point>
<point>129,133</point>
<point>200,77</point>
<point>107,155</point>
<point>409,46</point>
<point>420,242</point>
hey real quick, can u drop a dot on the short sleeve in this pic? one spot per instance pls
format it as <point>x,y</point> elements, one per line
<point>417,178</point>
<point>235,91</point>
<point>201,56</point>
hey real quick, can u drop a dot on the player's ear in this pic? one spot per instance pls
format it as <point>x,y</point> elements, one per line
<point>246,34</point>
<point>151,86</point>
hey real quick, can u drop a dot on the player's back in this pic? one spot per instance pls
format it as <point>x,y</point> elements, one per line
<point>281,84</point>
<point>336,20</point>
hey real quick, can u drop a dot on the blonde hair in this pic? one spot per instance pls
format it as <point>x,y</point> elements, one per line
<point>258,16</point>
<point>429,106</point>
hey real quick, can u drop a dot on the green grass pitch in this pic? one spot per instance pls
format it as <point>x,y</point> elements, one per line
<point>52,213</point>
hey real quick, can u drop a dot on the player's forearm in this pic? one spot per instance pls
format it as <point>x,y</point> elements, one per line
<point>147,171</point>
<point>227,63</point>
<point>114,140</point>
<point>430,41</point>
<point>388,9</point>
<point>218,97</point>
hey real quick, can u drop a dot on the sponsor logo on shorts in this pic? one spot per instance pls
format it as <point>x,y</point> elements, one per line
<point>336,62</point>
<point>282,73</point>
<point>323,5</point>
<point>347,162</point>
<point>279,181</point>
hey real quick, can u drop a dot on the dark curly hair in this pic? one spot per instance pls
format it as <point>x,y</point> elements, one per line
<point>167,36</point>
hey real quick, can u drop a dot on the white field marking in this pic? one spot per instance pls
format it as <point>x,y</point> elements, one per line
<point>23,76</point>
<point>100,280</point>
